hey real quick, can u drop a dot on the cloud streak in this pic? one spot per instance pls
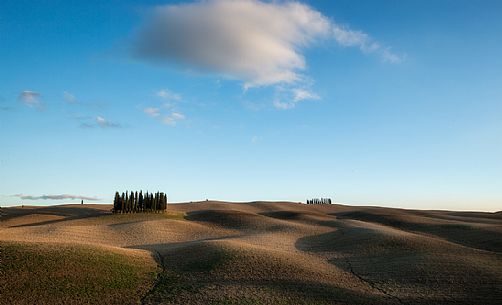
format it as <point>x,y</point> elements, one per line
<point>168,95</point>
<point>104,123</point>
<point>152,111</point>
<point>350,38</point>
<point>259,43</point>
<point>166,113</point>
<point>55,197</point>
<point>100,122</point>
<point>289,99</point>
<point>69,98</point>
<point>31,99</point>
<point>173,118</point>
<point>303,94</point>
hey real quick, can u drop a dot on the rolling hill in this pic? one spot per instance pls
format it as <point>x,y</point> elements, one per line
<point>250,253</point>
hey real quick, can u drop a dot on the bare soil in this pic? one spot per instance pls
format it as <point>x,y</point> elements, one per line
<point>281,252</point>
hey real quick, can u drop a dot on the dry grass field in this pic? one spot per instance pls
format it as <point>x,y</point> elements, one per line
<point>249,253</point>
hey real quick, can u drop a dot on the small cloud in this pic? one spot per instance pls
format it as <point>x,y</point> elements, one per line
<point>173,118</point>
<point>100,122</point>
<point>284,105</point>
<point>293,97</point>
<point>31,99</point>
<point>166,113</point>
<point>346,37</point>
<point>302,95</point>
<point>69,98</point>
<point>152,111</point>
<point>55,197</point>
<point>168,95</point>
<point>392,58</point>
<point>104,123</point>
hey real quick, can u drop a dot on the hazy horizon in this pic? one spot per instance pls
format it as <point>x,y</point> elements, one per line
<point>253,100</point>
<point>380,205</point>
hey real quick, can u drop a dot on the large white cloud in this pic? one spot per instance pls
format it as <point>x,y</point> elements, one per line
<point>260,43</point>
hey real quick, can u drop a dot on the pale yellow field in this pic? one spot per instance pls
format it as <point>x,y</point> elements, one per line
<point>285,253</point>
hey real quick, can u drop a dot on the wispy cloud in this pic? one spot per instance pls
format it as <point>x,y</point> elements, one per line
<point>303,94</point>
<point>166,113</point>
<point>69,98</point>
<point>55,197</point>
<point>168,95</point>
<point>152,111</point>
<point>350,38</point>
<point>284,105</point>
<point>104,123</point>
<point>173,118</point>
<point>100,122</point>
<point>31,99</point>
<point>289,98</point>
<point>260,43</point>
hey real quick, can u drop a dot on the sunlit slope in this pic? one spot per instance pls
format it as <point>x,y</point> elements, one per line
<point>288,253</point>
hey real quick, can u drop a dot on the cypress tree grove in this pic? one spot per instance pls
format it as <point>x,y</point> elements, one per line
<point>135,202</point>
<point>319,201</point>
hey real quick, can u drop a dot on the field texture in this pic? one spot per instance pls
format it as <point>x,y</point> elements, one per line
<point>249,253</point>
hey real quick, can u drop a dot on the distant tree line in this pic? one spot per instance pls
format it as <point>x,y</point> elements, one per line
<point>319,201</point>
<point>135,202</point>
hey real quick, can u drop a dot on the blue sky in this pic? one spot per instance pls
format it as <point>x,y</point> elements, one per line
<point>394,103</point>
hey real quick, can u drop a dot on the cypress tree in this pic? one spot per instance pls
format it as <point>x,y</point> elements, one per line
<point>116,202</point>
<point>127,202</point>
<point>122,203</point>
<point>131,206</point>
<point>150,203</point>
<point>140,201</point>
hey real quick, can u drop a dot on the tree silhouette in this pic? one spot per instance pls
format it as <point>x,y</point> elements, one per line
<point>134,202</point>
<point>319,201</point>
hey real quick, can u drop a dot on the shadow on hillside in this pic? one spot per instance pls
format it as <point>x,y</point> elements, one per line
<point>398,265</point>
<point>69,213</point>
<point>239,220</point>
<point>475,235</point>
<point>160,250</point>
<point>192,269</point>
